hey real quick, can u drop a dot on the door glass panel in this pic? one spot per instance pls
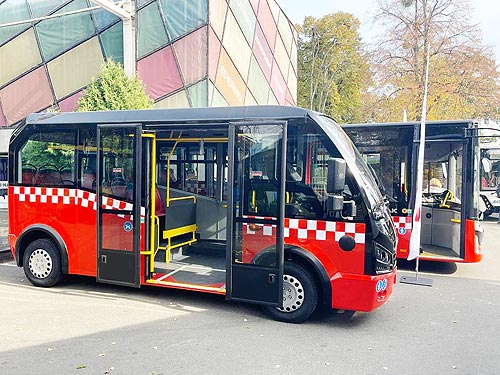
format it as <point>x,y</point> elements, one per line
<point>442,199</point>
<point>256,188</point>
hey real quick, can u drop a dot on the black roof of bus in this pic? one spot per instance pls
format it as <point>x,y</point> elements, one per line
<point>172,116</point>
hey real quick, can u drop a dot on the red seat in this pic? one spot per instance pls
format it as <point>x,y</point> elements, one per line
<point>159,205</point>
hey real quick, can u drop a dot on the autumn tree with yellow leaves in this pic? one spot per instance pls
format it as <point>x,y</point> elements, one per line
<point>463,78</point>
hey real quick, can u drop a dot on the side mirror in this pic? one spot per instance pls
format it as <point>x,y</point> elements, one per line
<point>336,175</point>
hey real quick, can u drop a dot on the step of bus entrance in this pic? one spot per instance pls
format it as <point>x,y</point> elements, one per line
<point>212,248</point>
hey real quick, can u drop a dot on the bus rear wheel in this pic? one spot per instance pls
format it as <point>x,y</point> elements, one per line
<point>42,263</point>
<point>300,295</point>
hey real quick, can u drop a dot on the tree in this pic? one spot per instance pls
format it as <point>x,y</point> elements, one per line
<point>463,78</point>
<point>332,73</point>
<point>113,90</point>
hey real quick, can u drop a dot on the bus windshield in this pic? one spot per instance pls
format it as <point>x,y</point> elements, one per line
<point>353,159</point>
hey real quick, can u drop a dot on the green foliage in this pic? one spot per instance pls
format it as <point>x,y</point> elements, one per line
<point>40,153</point>
<point>333,75</point>
<point>113,90</point>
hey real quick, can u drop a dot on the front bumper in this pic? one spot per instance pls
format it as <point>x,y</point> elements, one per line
<point>361,292</point>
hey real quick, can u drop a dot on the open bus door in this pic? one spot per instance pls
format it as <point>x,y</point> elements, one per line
<point>256,210</point>
<point>118,204</point>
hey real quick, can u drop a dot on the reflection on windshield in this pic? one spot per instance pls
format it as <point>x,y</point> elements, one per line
<point>352,157</point>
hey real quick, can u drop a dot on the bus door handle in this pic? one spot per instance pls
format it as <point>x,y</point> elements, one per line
<point>104,259</point>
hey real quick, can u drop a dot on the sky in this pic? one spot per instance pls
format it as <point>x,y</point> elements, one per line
<point>486,15</point>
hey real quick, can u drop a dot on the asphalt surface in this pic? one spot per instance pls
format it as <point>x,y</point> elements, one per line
<point>82,327</point>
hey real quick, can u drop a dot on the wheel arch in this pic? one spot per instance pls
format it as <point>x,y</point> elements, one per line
<point>40,231</point>
<point>312,264</point>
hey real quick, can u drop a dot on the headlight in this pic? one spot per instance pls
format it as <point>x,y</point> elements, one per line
<point>385,260</point>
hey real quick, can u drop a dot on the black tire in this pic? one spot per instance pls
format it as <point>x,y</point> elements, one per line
<point>300,295</point>
<point>42,263</point>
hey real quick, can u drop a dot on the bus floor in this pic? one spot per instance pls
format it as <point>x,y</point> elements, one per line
<point>193,267</point>
<point>433,251</point>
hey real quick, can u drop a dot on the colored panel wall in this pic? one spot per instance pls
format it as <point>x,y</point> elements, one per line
<point>151,32</point>
<point>215,97</point>
<point>103,18</point>
<point>266,21</point>
<point>112,42</point>
<point>229,82</point>
<point>85,59</point>
<point>242,11</point>
<point>159,73</point>
<point>183,16</point>
<point>281,56</point>
<point>44,7</point>
<point>213,53</point>
<point>17,104</point>
<point>218,9</point>
<point>11,11</point>
<point>199,94</point>
<point>70,103</point>
<point>278,85</point>
<point>236,46</point>
<point>263,53</point>
<point>18,55</point>
<point>177,100</point>
<point>191,52</point>
<point>59,34</point>
<point>257,83</point>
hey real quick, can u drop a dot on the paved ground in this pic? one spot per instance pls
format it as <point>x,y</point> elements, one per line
<point>4,230</point>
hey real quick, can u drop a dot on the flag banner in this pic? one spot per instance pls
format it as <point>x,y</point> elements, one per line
<point>417,210</point>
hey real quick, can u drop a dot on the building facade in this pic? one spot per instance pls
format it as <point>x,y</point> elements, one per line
<point>189,53</point>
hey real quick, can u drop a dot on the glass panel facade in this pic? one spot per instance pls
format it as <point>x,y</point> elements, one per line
<point>112,42</point>
<point>229,82</point>
<point>285,31</point>
<point>42,8</point>
<point>177,100</point>
<point>236,46</point>
<point>278,85</point>
<point>266,21</point>
<point>245,16</point>
<point>257,83</point>
<point>17,104</point>
<point>11,11</point>
<point>159,73</point>
<point>62,69</point>
<point>70,103</point>
<point>199,94</point>
<point>263,53</point>
<point>213,53</point>
<point>217,100</point>
<point>26,56</point>
<point>281,56</point>
<point>151,32</point>
<point>59,34</point>
<point>104,18</point>
<point>183,16</point>
<point>218,9</point>
<point>191,52</point>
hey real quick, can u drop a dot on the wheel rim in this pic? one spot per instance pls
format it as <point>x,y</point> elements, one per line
<point>293,294</point>
<point>40,263</point>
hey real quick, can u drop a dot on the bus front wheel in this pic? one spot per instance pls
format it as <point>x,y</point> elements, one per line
<point>300,295</point>
<point>42,263</point>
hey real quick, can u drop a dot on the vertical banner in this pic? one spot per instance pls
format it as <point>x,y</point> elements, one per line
<point>417,210</point>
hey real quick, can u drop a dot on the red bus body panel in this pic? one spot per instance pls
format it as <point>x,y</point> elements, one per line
<point>472,248</point>
<point>75,210</point>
